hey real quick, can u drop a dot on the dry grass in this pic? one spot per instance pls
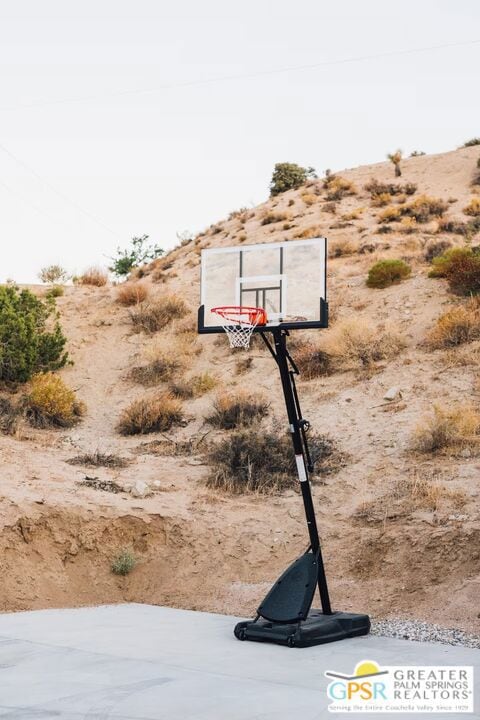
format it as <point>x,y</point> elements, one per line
<point>51,402</point>
<point>355,214</point>
<point>99,459</point>
<point>342,247</point>
<point>338,187</point>
<point>156,413</point>
<point>350,344</point>
<point>309,198</point>
<point>473,208</point>
<point>419,491</point>
<point>158,370</point>
<point>151,316</point>
<point>313,231</point>
<point>193,387</point>
<point>274,217</point>
<point>459,325</point>
<point>263,462</point>
<point>232,410</point>
<point>10,414</point>
<point>436,248</point>
<point>130,294</point>
<point>444,428</point>
<point>93,276</point>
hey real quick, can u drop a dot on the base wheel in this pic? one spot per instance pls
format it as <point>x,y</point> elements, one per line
<point>291,641</point>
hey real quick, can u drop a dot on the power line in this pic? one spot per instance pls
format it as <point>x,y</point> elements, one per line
<point>37,209</point>
<point>64,197</point>
<point>243,76</point>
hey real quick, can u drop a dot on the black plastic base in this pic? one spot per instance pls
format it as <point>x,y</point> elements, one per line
<point>315,630</point>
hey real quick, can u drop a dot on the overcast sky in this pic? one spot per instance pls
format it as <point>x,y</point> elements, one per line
<point>110,161</point>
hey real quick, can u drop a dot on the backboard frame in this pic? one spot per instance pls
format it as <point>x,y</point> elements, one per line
<point>322,322</point>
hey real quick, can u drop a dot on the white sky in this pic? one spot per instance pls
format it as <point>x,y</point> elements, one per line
<point>182,157</point>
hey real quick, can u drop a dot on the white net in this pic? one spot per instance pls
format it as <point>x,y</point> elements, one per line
<point>239,324</point>
<point>239,336</point>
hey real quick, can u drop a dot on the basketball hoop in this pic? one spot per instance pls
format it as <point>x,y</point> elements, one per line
<point>239,322</point>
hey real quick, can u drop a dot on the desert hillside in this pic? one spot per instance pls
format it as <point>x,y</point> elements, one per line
<point>397,508</point>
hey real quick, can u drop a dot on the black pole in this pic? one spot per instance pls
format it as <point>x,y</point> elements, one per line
<point>296,429</point>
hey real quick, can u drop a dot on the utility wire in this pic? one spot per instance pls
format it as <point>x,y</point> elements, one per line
<point>60,194</point>
<point>243,76</point>
<point>37,209</point>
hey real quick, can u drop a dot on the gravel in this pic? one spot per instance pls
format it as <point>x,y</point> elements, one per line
<point>424,632</point>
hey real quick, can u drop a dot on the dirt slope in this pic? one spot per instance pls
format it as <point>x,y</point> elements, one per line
<point>203,549</point>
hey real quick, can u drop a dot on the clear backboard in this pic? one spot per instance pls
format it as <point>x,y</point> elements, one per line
<point>287,280</point>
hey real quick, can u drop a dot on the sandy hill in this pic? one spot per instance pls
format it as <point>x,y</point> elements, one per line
<point>400,528</point>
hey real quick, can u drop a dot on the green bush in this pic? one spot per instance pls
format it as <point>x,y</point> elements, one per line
<point>461,268</point>
<point>31,339</point>
<point>123,563</point>
<point>289,176</point>
<point>387,272</point>
<point>138,254</point>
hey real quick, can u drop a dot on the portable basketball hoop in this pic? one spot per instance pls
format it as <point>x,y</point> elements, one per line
<point>239,322</point>
<point>274,288</point>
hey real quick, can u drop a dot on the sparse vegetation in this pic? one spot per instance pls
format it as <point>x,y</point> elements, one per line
<point>232,410</point>
<point>341,247</point>
<point>54,292</point>
<point>436,249</point>
<point>309,232</point>
<point>10,414</point>
<point>274,217</point>
<point>51,402</point>
<point>31,339</point>
<point>459,325</point>
<point>98,459</point>
<point>387,272</point>
<point>376,189</point>
<point>396,158</point>
<point>92,276</point>
<point>263,462</point>
<point>309,199</point>
<point>472,142</point>
<point>53,274</point>
<point>137,254</point>
<point>161,368</point>
<point>155,413</point>
<point>153,315</point>
<point>123,563</point>
<point>193,387</point>
<point>473,207</point>
<point>447,428</point>
<point>132,293</point>
<point>289,176</point>
<point>338,187</point>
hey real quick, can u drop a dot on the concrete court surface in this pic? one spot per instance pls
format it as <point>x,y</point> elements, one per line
<point>143,662</point>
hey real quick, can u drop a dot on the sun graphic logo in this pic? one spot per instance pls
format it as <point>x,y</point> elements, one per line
<point>366,684</point>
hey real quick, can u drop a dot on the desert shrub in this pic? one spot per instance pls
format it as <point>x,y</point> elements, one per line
<point>273,217</point>
<point>51,402</point>
<point>390,214</point>
<point>417,153</point>
<point>312,361</point>
<point>341,247</point>
<point>455,227</point>
<point>461,268</point>
<point>31,339</point>
<point>458,426</point>
<point>395,158</point>
<point>472,142</point>
<point>93,276</point>
<point>156,413</point>
<point>289,176</point>
<point>424,208</point>
<point>161,368</point>
<point>338,187</point>
<point>151,316</point>
<point>131,294</point>
<point>193,387</point>
<point>376,188</point>
<point>381,200</point>
<point>123,563</point>
<point>456,326</point>
<point>330,207</point>
<point>309,198</point>
<point>231,410</point>
<point>473,207</point>
<point>354,214</point>
<point>54,292</point>
<point>387,272</point>
<point>10,413</point>
<point>310,232</point>
<point>137,254</point>
<point>436,249</point>
<point>98,459</point>
<point>252,461</point>
<point>408,225</point>
<point>53,274</point>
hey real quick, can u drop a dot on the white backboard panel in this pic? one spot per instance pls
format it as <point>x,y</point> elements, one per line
<point>287,279</point>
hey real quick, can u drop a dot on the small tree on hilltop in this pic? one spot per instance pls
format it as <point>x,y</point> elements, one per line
<point>137,254</point>
<point>289,176</point>
<point>53,274</point>
<point>396,158</point>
